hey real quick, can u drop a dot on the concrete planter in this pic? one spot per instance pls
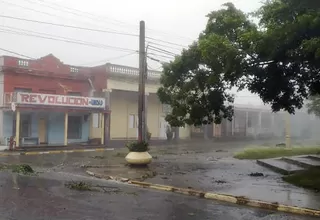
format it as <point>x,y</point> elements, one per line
<point>138,158</point>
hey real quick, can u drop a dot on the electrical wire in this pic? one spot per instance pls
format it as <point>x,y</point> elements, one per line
<point>87,29</point>
<point>157,49</point>
<point>107,60</point>
<point>95,17</point>
<point>162,45</point>
<point>15,53</point>
<point>68,26</point>
<point>66,40</point>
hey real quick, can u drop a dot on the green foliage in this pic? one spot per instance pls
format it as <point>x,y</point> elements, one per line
<point>314,105</point>
<point>279,60</point>
<point>309,179</point>
<point>137,146</point>
<point>274,152</point>
<point>23,169</point>
<point>80,186</point>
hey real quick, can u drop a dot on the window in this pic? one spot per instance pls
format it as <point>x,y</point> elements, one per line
<point>47,91</point>
<point>131,123</point>
<point>16,89</point>
<point>74,127</point>
<point>74,70</point>
<point>96,120</point>
<point>23,63</point>
<point>25,126</point>
<point>74,93</point>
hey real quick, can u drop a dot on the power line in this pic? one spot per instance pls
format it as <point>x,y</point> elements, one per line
<point>157,49</point>
<point>81,13</point>
<point>163,41</point>
<point>68,26</point>
<point>162,45</point>
<point>12,52</point>
<point>86,29</point>
<point>93,16</point>
<point>67,40</point>
<point>158,55</point>
<point>113,58</point>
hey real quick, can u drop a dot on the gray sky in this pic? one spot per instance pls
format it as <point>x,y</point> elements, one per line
<point>178,22</point>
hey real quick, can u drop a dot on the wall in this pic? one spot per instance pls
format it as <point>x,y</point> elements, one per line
<point>55,127</point>
<point>1,101</point>
<point>123,104</point>
<point>130,86</point>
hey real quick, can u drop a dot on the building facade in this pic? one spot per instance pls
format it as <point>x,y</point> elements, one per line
<point>45,101</point>
<point>123,86</point>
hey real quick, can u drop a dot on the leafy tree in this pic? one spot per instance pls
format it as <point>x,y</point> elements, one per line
<point>279,60</point>
<point>314,105</point>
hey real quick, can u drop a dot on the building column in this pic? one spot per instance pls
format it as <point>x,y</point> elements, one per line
<point>205,131</point>
<point>17,128</point>
<point>232,126</point>
<point>102,127</point>
<point>66,128</point>
<point>146,116</point>
<point>177,133</point>
<point>247,120</point>
<point>260,123</point>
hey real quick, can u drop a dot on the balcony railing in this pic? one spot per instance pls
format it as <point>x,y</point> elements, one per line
<point>131,71</point>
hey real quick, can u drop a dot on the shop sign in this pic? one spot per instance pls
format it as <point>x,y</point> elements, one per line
<point>59,100</point>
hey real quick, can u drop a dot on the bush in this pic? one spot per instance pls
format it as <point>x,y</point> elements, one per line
<point>137,146</point>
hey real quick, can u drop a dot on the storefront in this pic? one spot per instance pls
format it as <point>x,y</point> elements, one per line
<point>47,119</point>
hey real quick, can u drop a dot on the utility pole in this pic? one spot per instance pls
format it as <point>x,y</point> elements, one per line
<point>142,74</point>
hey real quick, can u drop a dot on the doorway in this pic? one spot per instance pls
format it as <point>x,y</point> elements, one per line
<point>42,131</point>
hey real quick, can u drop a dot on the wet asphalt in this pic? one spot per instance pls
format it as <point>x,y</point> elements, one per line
<point>46,197</point>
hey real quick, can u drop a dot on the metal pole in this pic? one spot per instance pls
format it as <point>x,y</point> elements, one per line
<point>142,69</point>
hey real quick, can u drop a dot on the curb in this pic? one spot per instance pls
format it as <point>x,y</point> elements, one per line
<point>239,200</point>
<point>56,152</point>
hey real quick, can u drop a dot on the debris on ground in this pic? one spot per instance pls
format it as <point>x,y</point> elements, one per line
<point>221,151</point>
<point>24,169</point>
<point>98,157</point>
<point>80,186</point>
<point>256,174</point>
<point>220,181</point>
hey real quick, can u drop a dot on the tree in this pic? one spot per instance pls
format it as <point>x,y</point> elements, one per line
<point>279,60</point>
<point>195,84</point>
<point>314,105</point>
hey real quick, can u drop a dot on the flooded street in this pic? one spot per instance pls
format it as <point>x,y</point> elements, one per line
<point>45,197</point>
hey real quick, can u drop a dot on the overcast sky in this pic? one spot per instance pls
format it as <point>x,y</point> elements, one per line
<point>176,21</point>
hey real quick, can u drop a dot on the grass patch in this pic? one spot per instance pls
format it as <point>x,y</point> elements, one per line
<point>18,168</point>
<point>23,169</point>
<point>273,152</point>
<point>80,186</point>
<point>309,179</point>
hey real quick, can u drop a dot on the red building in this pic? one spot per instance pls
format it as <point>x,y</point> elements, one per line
<point>48,102</point>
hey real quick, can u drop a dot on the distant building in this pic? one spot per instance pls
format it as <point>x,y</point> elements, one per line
<point>45,101</point>
<point>123,86</point>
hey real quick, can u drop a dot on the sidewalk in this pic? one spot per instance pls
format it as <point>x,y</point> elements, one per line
<point>212,169</point>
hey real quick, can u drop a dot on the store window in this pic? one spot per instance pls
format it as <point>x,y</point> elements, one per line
<point>25,126</point>
<point>74,127</point>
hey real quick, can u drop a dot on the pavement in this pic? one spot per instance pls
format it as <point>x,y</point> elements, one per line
<point>46,197</point>
<point>204,166</point>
